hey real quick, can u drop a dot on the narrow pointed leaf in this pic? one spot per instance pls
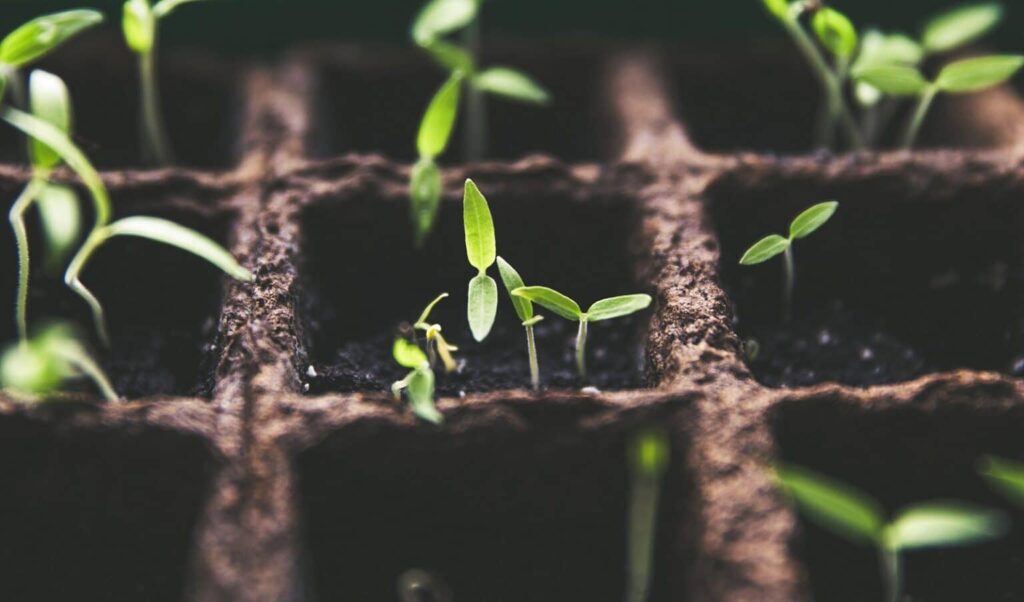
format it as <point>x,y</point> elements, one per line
<point>408,354</point>
<point>439,119</point>
<point>832,504</point>
<point>835,32</point>
<point>60,217</point>
<point>812,219</point>
<point>973,75</point>
<point>944,525</point>
<point>170,233</point>
<point>764,249</point>
<point>512,84</point>
<point>960,26</point>
<point>425,197</point>
<point>165,7</point>
<point>441,17</point>
<point>50,102</point>
<point>892,79</point>
<point>1006,477</point>
<point>511,279</point>
<point>615,307</point>
<point>43,34</point>
<point>421,395</point>
<point>551,300</point>
<point>430,307</point>
<point>482,306</point>
<point>479,227</point>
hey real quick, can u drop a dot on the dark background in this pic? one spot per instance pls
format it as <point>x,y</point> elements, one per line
<point>265,26</point>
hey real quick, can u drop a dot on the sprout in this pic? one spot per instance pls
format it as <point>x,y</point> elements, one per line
<point>140,23</point>
<point>419,383</point>
<point>1005,476</point>
<point>605,309</point>
<point>524,309</point>
<point>37,368</point>
<point>482,305</point>
<point>772,245</point>
<point>436,343</point>
<point>425,180</point>
<point>854,516</point>
<point>648,460</point>
<point>159,230</point>
<point>959,26</point>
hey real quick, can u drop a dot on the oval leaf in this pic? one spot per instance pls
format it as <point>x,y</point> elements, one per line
<point>441,17</point>
<point>176,235</point>
<point>43,34</point>
<point>439,119</point>
<point>408,354</point>
<point>835,32</point>
<point>479,227</point>
<point>50,102</point>
<point>895,80</point>
<point>878,48</point>
<point>139,25</point>
<point>972,75</point>
<point>1005,476</point>
<point>944,525</point>
<point>960,26</point>
<point>421,395</point>
<point>832,504</point>
<point>615,307</point>
<point>512,84</point>
<point>165,7</point>
<point>764,249</point>
<point>511,279</point>
<point>812,219</point>
<point>482,306</point>
<point>424,197</point>
<point>779,8</point>
<point>552,300</point>
<point>60,217</point>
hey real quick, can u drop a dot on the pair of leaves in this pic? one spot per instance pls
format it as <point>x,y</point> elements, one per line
<point>960,26</point>
<point>481,250</point>
<point>803,225</point>
<point>38,367</point>
<point>855,516</point>
<point>563,306</point>
<point>959,77</point>
<point>41,35</point>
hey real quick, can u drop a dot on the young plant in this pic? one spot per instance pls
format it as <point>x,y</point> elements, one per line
<point>425,179</point>
<point>524,309</point>
<point>419,383</point>
<point>141,25</point>
<point>155,229</point>
<point>854,516</point>
<point>436,344</point>
<point>482,305</point>
<point>774,244</point>
<point>605,309</point>
<point>37,368</point>
<point>1005,476</point>
<point>648,460</point>
<point>960,77</point>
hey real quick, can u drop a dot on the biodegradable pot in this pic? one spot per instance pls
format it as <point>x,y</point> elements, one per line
<point>237,473</point>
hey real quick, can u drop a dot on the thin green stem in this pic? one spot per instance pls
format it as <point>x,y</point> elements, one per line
<point>917,120</point>
<point>531,346</point>
<point>787,293</point>
<point>156,147</point>
<point>581,348</point>
<point>17,217</point>
<point>80,360</point>
<point>892,573</point>
<point>643,514</point>
<point>72,278</point>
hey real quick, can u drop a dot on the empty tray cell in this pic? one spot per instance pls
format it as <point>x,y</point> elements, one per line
<point>498,514</point>
<point>161,302</point>
<point>903,456</point>
<point>910,276</point>
<point>97,514</point>
<point>373,103</point>
<point>199,93</point>
<point>363,278</point>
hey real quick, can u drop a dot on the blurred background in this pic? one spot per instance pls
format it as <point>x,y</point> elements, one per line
<point>266,26</point>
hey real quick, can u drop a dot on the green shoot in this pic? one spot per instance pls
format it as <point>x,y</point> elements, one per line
<point>524,309</point>
<point>853,515</point>
<point>436,344</point>
<point>562,306</point>
<point>770,246</point>
<point>648,459</point>
<point>435,132</point>
<point>1005,476</point>
<point>155,229</point>
<point>960,26</point>
<point>482,305</point>
<point>37,368</point>
<point>140,23</point>
<point>419,383</point>
<point>960,77</point>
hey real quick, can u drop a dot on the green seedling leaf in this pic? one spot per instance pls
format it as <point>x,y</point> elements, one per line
<point>892,79</point>
<point>943,524</point>
<point>1005,476</point>
<point>615,307</point>
<point>421,395</point>
<point>170,233</point>
<point>765,249</point>
<point>779,8</point>
<point>60,218</point>
<point>878,48</point>
<point>439,120</point>
<point>165,7</point>
<point>482,306</point>
<point>441,17</point>
<point>451,57</point>
<point>834,505</point>
<point>812,219</point>
<point>835,32</point>
<point>511,279</point>
<point>429,308</point>
<point>139,24</point>
<point>38,367</point>
<point>960,26</point>
<point>972,75</point>
<point>41,35</point>
<point>425,197</point>
<point>50,102</point>
<point>511,84</point>
<point>408,354</point>
<point>479,227</point>
<point>649,453</point>
<point>551,300</point>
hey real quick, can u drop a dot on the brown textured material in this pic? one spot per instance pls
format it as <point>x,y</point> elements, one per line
<point>256,492</point>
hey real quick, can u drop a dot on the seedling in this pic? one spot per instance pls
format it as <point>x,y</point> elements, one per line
<point>435,342</point>
<point>482,305</point>
<point>37,368</point>
<point>419,383</point>
<point>960,26</point>
<point>605,309</point>
<point>435,132</point>
<point>158,230</point>
<point>960,77</point>
<point>1005,476</point>
<point>770,246</point>
<point>648,460</point>
<point>524,309</point>
<point>141,26</point>
<point>853,515</point>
